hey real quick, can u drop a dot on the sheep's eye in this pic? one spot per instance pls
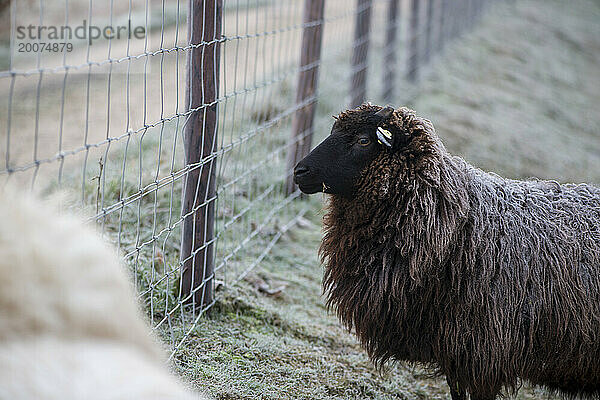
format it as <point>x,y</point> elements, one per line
<point>364,141</point>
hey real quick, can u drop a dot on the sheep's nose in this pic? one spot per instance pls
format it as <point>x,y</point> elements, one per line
<point>301,170</point>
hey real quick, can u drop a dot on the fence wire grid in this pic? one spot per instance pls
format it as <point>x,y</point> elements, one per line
<point>182,143</point>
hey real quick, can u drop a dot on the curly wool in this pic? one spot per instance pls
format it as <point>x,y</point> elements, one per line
<point>485,279</point>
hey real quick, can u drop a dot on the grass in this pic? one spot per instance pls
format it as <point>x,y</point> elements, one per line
<point>252,346</point>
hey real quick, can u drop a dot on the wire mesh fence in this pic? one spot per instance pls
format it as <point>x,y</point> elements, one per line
<point>181,139</point>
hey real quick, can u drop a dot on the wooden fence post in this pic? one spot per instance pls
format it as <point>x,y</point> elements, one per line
<point>476,4</point>
<point>413,45</point>
<point>389,66</point>
<point>428,31</point>
<point>360,52</point>
<point>443,28</point>
<point>471,13</point>
<point>455,18</point>
<point>389,75</point>
<point>310,59</point>
<point>478,8</point>
<point>200,134</point>
<point>463,15</point>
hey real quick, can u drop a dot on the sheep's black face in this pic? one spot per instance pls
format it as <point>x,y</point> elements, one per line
<point>335,165</point>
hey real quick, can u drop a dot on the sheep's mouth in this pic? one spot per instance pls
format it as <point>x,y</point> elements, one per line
<point>308,183</point>
<point>310,188</point>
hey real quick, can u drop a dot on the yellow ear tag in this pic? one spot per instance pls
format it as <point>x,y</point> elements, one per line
<point>384,137</point>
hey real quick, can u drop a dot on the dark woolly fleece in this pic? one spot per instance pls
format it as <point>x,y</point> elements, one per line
<point>485,279</point>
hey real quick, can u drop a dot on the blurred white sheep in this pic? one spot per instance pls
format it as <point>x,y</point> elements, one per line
<point>70,327</point>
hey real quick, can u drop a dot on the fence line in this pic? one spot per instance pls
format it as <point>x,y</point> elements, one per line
<point>360,50</point>
<point>391,33</point>
<point>182,143</point>
<point>310,54</point>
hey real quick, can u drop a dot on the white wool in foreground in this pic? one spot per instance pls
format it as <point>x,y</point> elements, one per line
<point>70,327</point>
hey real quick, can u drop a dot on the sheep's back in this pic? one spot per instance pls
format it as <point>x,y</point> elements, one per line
<point>532,278</point>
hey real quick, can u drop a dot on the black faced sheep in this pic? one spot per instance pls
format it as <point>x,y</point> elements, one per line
<point>69,323</point>
<point>430,260</point>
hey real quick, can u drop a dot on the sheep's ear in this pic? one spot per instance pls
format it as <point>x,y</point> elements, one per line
<point>385,113</point>
<point>384,136</point>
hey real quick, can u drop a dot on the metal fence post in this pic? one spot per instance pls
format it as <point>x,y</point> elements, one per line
<point>389,76</point>
<point>199,192</point>
<point>413,45</point>
<point>360,52</point>
<point>310,59</point>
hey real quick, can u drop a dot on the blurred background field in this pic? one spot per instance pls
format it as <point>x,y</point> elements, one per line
<point>517,95</point>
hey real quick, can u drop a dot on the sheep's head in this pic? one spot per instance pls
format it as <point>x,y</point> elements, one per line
<point>362,140</point>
